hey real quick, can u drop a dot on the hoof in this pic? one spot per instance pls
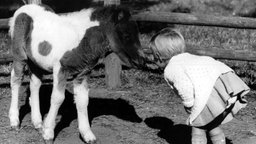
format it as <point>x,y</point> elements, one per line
<point>89,138</point>
<point>15,124</point>
<point>48,141</point>
<point>16,128</point>
<point>40,130</point>
<point>92,142</point>
<point>47,134</point>
<point>38,126</point>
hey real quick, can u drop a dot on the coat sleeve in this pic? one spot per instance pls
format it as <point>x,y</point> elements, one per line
<point>181,83</point>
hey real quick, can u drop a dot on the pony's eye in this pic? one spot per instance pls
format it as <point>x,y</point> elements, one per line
<point>127,37</point>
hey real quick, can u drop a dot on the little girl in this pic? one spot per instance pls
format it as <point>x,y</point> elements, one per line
<point>211,92</point>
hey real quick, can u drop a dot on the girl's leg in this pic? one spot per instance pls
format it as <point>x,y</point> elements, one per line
<point>198,136</point>
<point>217,136</point>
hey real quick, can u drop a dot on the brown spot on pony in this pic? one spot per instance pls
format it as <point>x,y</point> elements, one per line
<point>44,48</point>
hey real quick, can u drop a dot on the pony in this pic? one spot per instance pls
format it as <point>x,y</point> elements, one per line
<point>68,46</point>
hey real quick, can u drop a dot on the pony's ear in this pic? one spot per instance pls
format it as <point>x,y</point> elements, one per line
<point>120,15</point>
<point>123,14</point>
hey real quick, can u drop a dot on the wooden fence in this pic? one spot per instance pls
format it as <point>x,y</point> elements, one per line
<point>4,23</point>
<point>189,19</point>
<point>186,19</point>
<point>197,19</point>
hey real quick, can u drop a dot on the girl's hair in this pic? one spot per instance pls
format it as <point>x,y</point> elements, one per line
<point>167,43</point>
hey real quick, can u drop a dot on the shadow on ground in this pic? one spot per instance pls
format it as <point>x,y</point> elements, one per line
<point>97,107</point>
<point>173,134</point>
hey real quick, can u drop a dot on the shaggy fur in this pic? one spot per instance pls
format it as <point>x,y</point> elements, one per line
<point>67,45</point>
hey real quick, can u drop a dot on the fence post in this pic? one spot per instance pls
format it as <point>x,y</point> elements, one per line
<point>111,2</point>
<point>112,62</point>
<point>34,1</point>
<point>113,70</point>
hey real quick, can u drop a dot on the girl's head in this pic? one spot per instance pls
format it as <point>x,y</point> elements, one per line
<point>167,43</point>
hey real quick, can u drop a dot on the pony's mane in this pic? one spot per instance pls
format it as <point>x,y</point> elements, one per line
<point>110,13</point>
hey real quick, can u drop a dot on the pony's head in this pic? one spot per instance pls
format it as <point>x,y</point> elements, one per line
<point>128,34</point>
<point>122,32</point>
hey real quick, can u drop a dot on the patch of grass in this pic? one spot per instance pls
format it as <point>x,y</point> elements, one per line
<point>175,6</point>
<point>4,41</point>
<point>225,38</point>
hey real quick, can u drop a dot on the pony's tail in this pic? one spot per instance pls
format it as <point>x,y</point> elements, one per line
<point>20,29</point>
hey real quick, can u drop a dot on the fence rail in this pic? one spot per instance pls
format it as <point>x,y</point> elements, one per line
<point>184,19</point>
<point>218,53</point>
<point>197,19</point>
<point>188,19</point>
<point>5,58</point>
<point>4,23</point>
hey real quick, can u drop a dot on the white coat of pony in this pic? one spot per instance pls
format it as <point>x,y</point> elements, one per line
<point>64,33</point>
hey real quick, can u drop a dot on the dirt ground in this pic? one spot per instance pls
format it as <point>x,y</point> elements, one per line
<point>143,111</point>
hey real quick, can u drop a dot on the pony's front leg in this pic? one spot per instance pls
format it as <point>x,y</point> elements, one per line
<point>16,79</point>
<point>81,94</point>
<point>35,84</point>
<point>57,98</point>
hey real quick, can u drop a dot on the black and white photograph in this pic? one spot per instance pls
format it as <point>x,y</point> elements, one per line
<point>127,72</point>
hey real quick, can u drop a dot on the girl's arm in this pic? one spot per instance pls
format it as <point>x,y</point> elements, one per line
<point>181,83</point>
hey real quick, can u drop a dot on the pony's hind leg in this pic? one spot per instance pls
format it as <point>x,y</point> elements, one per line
<point>81,94</point>
<point>35,84</point>
<point>20,35</point>
<point>17,74</point>
<point>57,98</point>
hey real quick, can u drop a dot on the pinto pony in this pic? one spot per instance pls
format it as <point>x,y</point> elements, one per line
<point>67,46</point>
